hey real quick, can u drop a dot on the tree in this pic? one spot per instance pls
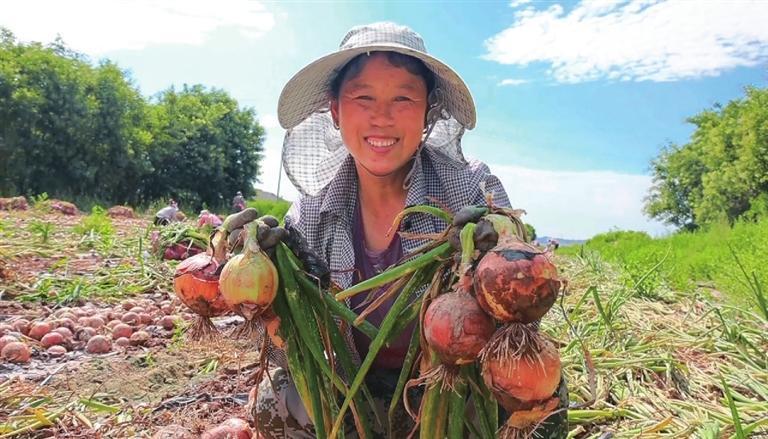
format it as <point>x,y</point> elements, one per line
<point>722,173</point>
<point>75,130</point>
<point>531,232</point>
<point>206,148</point>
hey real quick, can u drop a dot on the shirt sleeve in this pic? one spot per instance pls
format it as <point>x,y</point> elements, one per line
<point>492,185</point>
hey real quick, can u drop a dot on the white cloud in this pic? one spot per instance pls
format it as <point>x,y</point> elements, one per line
<point>512,82</point>
<point>578,204</point>
<point>99,26</point>
<point>636,40</point>
<point>518,3</point>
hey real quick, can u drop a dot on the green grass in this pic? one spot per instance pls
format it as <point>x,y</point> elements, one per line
<point>686,261</point>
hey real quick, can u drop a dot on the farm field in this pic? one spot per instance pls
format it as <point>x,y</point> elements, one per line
<point>638,365</point>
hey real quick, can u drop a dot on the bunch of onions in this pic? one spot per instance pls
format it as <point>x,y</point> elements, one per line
<point>517,284</point>
<point>456,329</point>
<point>196,283</point>
<point>249,281</point>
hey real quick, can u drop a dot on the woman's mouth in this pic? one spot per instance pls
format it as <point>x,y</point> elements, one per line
<point>381,144</point>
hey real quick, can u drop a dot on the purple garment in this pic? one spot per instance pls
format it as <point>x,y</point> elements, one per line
<point>367,265</point>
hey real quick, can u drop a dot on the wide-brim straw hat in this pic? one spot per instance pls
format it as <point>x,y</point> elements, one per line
<point>313,149</point>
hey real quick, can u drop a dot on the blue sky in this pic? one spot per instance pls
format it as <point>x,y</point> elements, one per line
<point>574,98</point>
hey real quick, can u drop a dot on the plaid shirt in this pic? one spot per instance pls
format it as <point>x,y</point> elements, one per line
<point>326,219</point>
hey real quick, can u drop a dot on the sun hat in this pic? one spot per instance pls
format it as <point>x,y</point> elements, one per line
<point>313,149</point>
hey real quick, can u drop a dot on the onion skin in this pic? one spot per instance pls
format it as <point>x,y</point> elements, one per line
<point>15,352</point>
<point>456,328</point>
<point>249,280</point>
<point>232,428</point>
<point>516,282</point>
<point>197,285</point>
<point>522,382</point>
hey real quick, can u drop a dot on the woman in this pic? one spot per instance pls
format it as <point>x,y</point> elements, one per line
<point>372,129</point>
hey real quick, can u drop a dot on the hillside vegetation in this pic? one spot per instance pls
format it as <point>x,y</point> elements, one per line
<point>721,258</point>
<point>84,133</point>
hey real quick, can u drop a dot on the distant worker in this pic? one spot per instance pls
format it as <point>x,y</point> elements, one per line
<point>167,214</point>
<point>552,245</point>
<point>208,218</point>
<point>238,203</point>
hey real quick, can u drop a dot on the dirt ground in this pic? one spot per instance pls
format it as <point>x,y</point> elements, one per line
<point>131,391</point>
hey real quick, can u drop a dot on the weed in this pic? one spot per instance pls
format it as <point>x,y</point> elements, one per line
<point>41,228</point>
<point>97,222</point>
<point>754,285</point>
<point>208,366</point>
<point>146,360</point>
<point>96,231</point>
<point>40,202</point>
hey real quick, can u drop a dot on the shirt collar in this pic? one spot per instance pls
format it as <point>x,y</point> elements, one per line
<point>340,198</point>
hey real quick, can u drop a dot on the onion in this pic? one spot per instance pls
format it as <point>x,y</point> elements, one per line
<point>39,329</point>
<point>167,322</point>
<point>139,338</point>
<point>522,369</point>
<point>232,428</point>
<point>130,318</point>
<point>456,328</point>
<point>65,332</point>
<point>128,304</point>
<point>22,326</point>
<point>173,431</point>
<point>52,339</point>
<point>85,333</point>
<point>121,330</point>
<point>56,351</point>
<point>98,344</point>
<point>516,282</point>
<point>4,340</point>
<point>15,352</point>
<point>6,329</point>
<point>249,280</point>
<point>95,322</point>
<point>196,283</point>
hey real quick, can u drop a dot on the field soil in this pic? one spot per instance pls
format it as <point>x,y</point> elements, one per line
<point>132,391</point>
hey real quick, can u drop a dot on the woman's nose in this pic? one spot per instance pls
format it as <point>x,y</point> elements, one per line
<point>382,114</point>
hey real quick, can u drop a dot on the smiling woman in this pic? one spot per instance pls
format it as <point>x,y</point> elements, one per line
<point>380,111</point>
<point>372,129</point>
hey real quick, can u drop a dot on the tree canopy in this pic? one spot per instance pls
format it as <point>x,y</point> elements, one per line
<point>76,130</point>
<point>721,174</point>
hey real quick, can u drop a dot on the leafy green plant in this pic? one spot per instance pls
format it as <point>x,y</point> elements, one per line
<point>96,230</point>
<point>96,223</point>
<point>276,208</point>
<point>41,228</point>
<point>40,200</point>
<point>208,366</point>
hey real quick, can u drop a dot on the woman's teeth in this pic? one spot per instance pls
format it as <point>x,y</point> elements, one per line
<point>382,143</point>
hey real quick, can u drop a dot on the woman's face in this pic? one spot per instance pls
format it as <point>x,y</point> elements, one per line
<point>380,113</point>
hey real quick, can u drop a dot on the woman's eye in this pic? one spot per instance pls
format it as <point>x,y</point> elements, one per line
<point>364,98</point>
<point>402,99</point>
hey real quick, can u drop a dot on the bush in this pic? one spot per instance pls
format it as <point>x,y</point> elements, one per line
<point>693,259</point>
